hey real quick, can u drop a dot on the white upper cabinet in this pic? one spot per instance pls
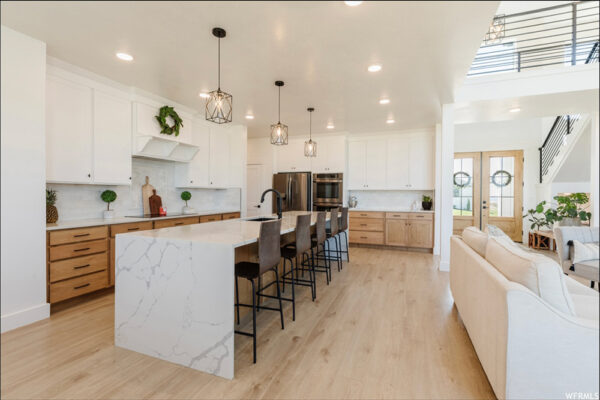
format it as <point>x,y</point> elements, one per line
<point>395,162</point>
<point>112,139</point>
<point>147,125</point>
<point>68,131</point>
<point>331,155</point>
<point>196,172</point>
<point>290,157</point>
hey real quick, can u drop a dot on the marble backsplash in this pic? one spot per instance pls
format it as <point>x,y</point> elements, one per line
<point>392,199</point>
<point>83,201</point>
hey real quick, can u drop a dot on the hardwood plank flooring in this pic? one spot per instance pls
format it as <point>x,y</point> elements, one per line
<point>385,327</point>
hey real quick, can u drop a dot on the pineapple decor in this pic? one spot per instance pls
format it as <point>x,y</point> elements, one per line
<point>51,211</point>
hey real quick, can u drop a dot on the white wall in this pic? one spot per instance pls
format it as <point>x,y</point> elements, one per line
<point>521,134</point>
<point>261,151</point>
<point>23,245</point>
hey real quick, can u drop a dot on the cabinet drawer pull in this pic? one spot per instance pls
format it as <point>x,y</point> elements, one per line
<point>82,286</point>
<point>81,266</point>
<point>82,235</point>
<point>363,224</point>
<point>178,223</point>
<point>84,249</point>
<point>420,216</point>
<point>364,237</point>
<point>363,215</point>
<point>133,229</point>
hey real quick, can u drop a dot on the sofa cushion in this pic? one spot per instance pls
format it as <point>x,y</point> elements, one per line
<point>494,231</point>
<point>584,251</point>
<point>586,306</point>
<point>475,239</point>
<point>538,273</point>
<point>588,270</point>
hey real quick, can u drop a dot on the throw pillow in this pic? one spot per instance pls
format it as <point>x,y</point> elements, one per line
<point>584,251</point>
<point>499,234</point>
<point>475,239</point>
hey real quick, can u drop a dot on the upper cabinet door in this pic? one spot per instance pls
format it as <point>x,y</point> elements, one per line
<point>357,165</point>
<point>376,164</point>
<point>290,158</point>
<point>331,155</point>
<point>219,157</point>
<point>196,172</point>
<point>421,161</point>
<point>112,139</point>
<point>398,163</point>
<point>68,132</point>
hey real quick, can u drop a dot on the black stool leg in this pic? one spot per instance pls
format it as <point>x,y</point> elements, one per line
<point>314,274</point>
<point>293,292</point>
<point>253,319</point>
<point>237,300</point>
<point>283,277</point>
<point>259,287</point>
<point>276,270</point>
<point>338,239</point>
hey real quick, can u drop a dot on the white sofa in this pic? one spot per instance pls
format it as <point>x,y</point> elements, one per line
<point>529,349</point>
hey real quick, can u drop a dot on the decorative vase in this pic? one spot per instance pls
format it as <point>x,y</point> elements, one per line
<point>108,214</point>
<point>570,222</point>
<point>426,205</point>
<point>51,214</point>
<point>188,210</point>
<point>353,202</point>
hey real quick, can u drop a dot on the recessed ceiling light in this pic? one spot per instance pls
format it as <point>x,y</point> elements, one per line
<point>125,56</point>
<point>353,3</point>
<point>515,109</point>
<point>384,101</point>
<point>330,126</point>
<point>374,68</point>
<point>249,116</point>
<point>390,121</point>
<point>204,95</point>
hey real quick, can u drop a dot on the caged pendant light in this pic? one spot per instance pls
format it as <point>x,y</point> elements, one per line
<point>279,131</point>
<point>219,104</point>
<point>310,147</point>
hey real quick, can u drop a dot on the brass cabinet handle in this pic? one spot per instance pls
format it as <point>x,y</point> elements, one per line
<point>81,266</point>
<point>82,235</point>
<point>82,286</point>
<point>87,248</point>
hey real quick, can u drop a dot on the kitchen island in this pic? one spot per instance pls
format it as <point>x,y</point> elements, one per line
<point>174,292</point>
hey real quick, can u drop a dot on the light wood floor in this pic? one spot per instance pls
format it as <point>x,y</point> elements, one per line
<point>386,327</point>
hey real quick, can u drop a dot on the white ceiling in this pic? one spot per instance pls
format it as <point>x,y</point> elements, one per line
<point>514,7</point>
<point>320,49</point>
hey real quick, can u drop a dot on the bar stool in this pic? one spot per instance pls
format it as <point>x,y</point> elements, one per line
<point>299,250</point>
<point>343,224</point>
<point>332,232</point>
<point>269,255</point>
<point>319,238</point>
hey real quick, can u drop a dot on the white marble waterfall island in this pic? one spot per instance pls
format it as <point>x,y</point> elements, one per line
<point>174,291</point>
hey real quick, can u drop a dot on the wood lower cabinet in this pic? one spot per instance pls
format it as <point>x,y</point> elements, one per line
<point>396,232</point>
<point>409,233</point>
<point>367,227</point>
<point>168,223</point>
<point>234,215</point>
<point>211,218</point>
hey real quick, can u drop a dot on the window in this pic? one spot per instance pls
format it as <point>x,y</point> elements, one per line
<point>502,187</point>
<point>463,187</point>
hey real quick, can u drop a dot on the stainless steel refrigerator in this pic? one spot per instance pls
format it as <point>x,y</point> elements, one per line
<point>295,189</point>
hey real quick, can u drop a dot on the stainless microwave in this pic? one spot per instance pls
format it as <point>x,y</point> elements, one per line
<point>328,189</point>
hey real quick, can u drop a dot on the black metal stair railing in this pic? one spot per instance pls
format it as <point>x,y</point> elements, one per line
<point>556,138</point>
<point>566,34</point>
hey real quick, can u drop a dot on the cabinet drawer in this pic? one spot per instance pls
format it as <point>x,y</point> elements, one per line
<point>366,237</point>
<point>78,235</point>
<point>421,216</point>
<point>366,224</point>
<point>78,249</point>
<point>397,215</point>
<point>367,214</point>
<point>133,227</point>
<point>167,223</point>
<point>230,215</point>
<point>77,286</point>
<point>210,218</point>
<point>77,266</point>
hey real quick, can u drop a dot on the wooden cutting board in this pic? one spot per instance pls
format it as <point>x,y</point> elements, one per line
<point>147,190</point>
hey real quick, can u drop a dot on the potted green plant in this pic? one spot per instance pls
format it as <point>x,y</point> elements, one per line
<point>538,219</point>
<point>51,211</point>
<point>185,196</point>
<point>426,202</point>
<point>108,196</point>
<point>569,211</point>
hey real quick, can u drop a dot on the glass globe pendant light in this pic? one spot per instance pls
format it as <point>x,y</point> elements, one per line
<point>310,146</point>
<point>279,131</point>
<point>218,103</point>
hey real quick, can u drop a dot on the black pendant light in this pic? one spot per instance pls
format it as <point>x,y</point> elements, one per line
<point>279,131</point>
<point>219,104</point>
<point>310,146</point>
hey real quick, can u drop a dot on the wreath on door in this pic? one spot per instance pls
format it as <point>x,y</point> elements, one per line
<point>162,116</point>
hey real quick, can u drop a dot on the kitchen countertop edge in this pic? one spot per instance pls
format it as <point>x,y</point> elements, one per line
<point>366,209</point>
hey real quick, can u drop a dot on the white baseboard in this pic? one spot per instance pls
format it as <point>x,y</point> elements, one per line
<point>444,266</point>
<point>24,317</point>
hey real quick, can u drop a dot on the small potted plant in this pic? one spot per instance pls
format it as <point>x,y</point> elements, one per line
<point>426,202</point>
<point>108,196</point>
<point>51,211</point>
<point>185,196</point>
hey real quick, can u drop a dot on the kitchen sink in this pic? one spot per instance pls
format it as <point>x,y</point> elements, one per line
<point>261,219</point>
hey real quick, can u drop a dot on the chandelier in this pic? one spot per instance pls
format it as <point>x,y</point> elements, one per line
<point>279,131</point>
<point>219,104</point>
<point>310,147</point>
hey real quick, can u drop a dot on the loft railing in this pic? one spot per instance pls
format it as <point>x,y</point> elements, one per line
<point>557,138</point>
<point>567,34</point>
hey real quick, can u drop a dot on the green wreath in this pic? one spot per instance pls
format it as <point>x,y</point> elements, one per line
<point>165,112</point>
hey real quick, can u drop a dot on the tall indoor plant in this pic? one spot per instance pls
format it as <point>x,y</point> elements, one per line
<point>568,211</point>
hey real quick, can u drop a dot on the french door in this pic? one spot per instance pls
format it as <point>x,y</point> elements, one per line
<point>488,190</point>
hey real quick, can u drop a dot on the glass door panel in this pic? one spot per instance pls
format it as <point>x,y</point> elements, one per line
<point>466,191</point>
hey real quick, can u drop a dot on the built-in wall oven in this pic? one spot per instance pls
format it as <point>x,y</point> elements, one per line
<point>328,191</point>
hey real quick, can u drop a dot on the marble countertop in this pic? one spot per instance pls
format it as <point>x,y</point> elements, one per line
<point>235,232</point>
<point>82,223</point>
<point>390,209</point>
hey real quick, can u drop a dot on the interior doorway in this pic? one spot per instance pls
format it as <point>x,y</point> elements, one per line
<point>488,190</point>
